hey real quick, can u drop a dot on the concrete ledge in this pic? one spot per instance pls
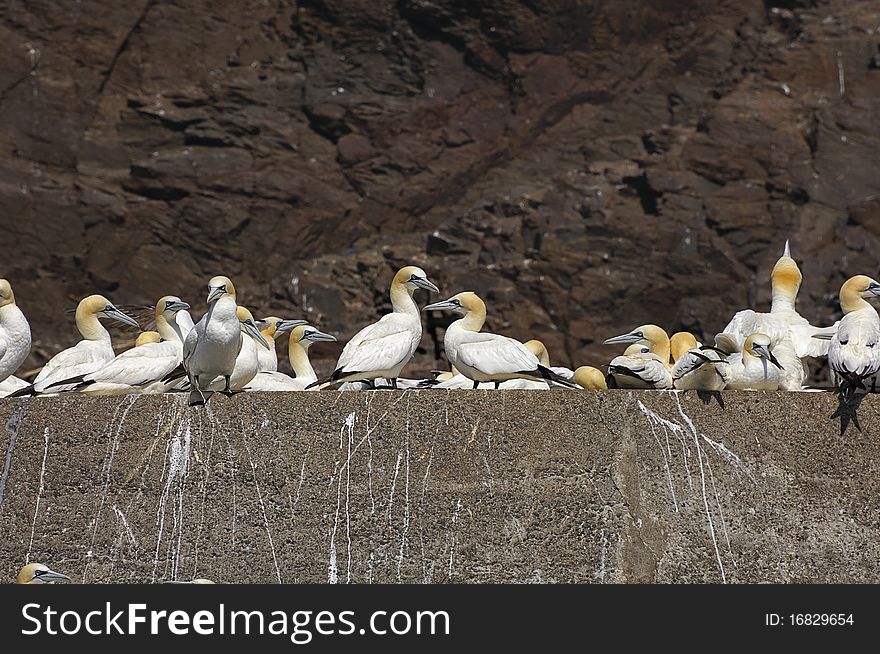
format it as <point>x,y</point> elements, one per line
<point>434,486</point>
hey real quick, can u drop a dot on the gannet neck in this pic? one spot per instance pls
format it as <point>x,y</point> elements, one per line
<point>297,351</point>
<point>87,321</point>
<point>475,317</point>
<point>402,300</point>
<point>7,297</point>
<point>852,294</point>
<point>785,281</point>
<point>681,343</point>
<point>537,348</point>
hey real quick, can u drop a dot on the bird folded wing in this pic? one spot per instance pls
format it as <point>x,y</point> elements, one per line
<point>812,341</point>
<point>140,365</point>
<point>81,359</point>
<point>383,347</point>
<point>493,354</point>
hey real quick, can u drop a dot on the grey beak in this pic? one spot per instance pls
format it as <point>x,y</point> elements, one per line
<point>252,330</point>
<point>176,306</point>
<point>115,314</point>
<point>50,577</point>
<point>318,337</point>
<point>443,305</point>
<point>287,325</point>
<point>215,293</point>
<point>425,284</point>
<point>623,339</point>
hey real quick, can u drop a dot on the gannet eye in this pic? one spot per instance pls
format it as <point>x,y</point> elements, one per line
<point>457,303</point>
<point>414,278</point>
<point>844,342</point>
<point>640,334</point>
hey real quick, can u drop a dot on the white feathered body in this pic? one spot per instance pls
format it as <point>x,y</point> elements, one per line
<point>646,371</point>
<point>15,339</point>
<point>211,348</point>
<point>383,348</point>
<point>855,347</point>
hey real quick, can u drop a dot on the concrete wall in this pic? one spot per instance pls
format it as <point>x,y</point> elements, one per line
<point>433,486</point>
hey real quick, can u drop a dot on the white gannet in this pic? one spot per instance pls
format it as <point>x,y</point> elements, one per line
<point>637,369</point>
<point>268,358</point>
<point>854,350</point>
<point>142,368</point>
<point>537,348</point>
<point>382,349</point>
<point>37,573</point>
<point>85,357</point>
<point>697,368</point>
<point>590,378</point>
<point>301,338</point>
<point>485,357</point>
<point>789,332</point>
<point>247,363</point>
<point>211,348</point>
<point>147,337</point>
<point>15,337</point>
<point>756,368</point>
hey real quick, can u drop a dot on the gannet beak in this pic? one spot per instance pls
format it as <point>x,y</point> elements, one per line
<point>318,337</point>
<point>443,305</point>
<point>422,282</point>
<point>115,314</point>
<point>787,251</point>
<point>176,306</point>
<point>874,288</point>
<point>49,576</point>
<point>766,353</point>
<point>624,339</point>
<point>287,325</point>
<point>252,329</point>
<point>215,293</point>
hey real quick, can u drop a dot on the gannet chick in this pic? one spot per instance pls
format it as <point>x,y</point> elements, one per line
<point>385,347</point>
<point>654,337</point>
<point>85,357</point>
<point>789,332</point>
<point>15,335</point>
<point>37,573</point>
<point>147,337</point>
<point>142,366</point>
<point>301,338</point>
<point>639,368</point>
<point>757,369</point>
<point>590,378</point>
<point>211,348</point>
<point>482,356</point>
<point>697,368</point>
<point>853,353</point>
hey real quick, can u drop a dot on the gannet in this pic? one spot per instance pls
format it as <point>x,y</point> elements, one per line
<point>85,357</point>
<point>37,573</point>
<point>789,332</point>
<point>211,348</point>
<point>757,369</point>
<point>137,370</point>
<point>485,357</point>
<point>301,338</point>
<point>383,348</point>
<point>270,327</point>
<point>147,337</point>
<point>697,368</point>
<point>639,369</point>
<point>854,353</point>
<point>247,363</point>
<point>15,336</point>
<point>590,378</point>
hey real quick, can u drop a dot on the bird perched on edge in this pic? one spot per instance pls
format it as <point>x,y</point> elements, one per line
<point>301,338</point>
<point>87,356</point>
<point>696,367</point>
<point>756,368</point>
<point>382,349</point>
<point>483,356</point>
<point>638,369</point>
<point>15,340</point>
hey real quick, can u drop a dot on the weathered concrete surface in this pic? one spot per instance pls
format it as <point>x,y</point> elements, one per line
<point>467,486</point>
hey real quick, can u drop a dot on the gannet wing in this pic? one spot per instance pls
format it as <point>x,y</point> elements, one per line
<point>138,366</point>
<point>185,322</point>
<point>493,354</point>
<point>812,341</point>
<point>379,346</point>
<point>81,359</point>
<point>748,322</point>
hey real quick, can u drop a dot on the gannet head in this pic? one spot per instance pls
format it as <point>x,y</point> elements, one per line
<point>6,294</point>
<point>249,326</point>
<point>636,349</point>
<point>269,326</point>
<point>37,573</point>
<point>413,277</point>
<point>288,325</point>
<point>462,304</point>
<point>168,307</point>
<point>590,378</point>
<point>98,305</point>
<point>786,277</point>
<point>758,345</point>
<point>147,337</point>
<point>218,287</point>
<point>305,335</point>
<point>537,348</point>
<point>647,334</point>
<point>680,343</point>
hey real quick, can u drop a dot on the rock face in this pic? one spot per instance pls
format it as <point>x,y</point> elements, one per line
<point>586,167</point>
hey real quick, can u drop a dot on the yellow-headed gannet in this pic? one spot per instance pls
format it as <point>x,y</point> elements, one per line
<point>301,337</point>
<point>697,368</point>
<point>639,369</point>
<point>210,349</point>
<point>789,332</point>
<point>383,348</point>
<point>145,338</point>
<point>37,573</point>
<point>268,358</point>
<point>854,351</point>
<point>85,357</point>
<point>247,363</point>
<point>141,368</point>
<point>15,333</point>
<point>485,357</point>
<point>756,368</point>
<point>590,378</point>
